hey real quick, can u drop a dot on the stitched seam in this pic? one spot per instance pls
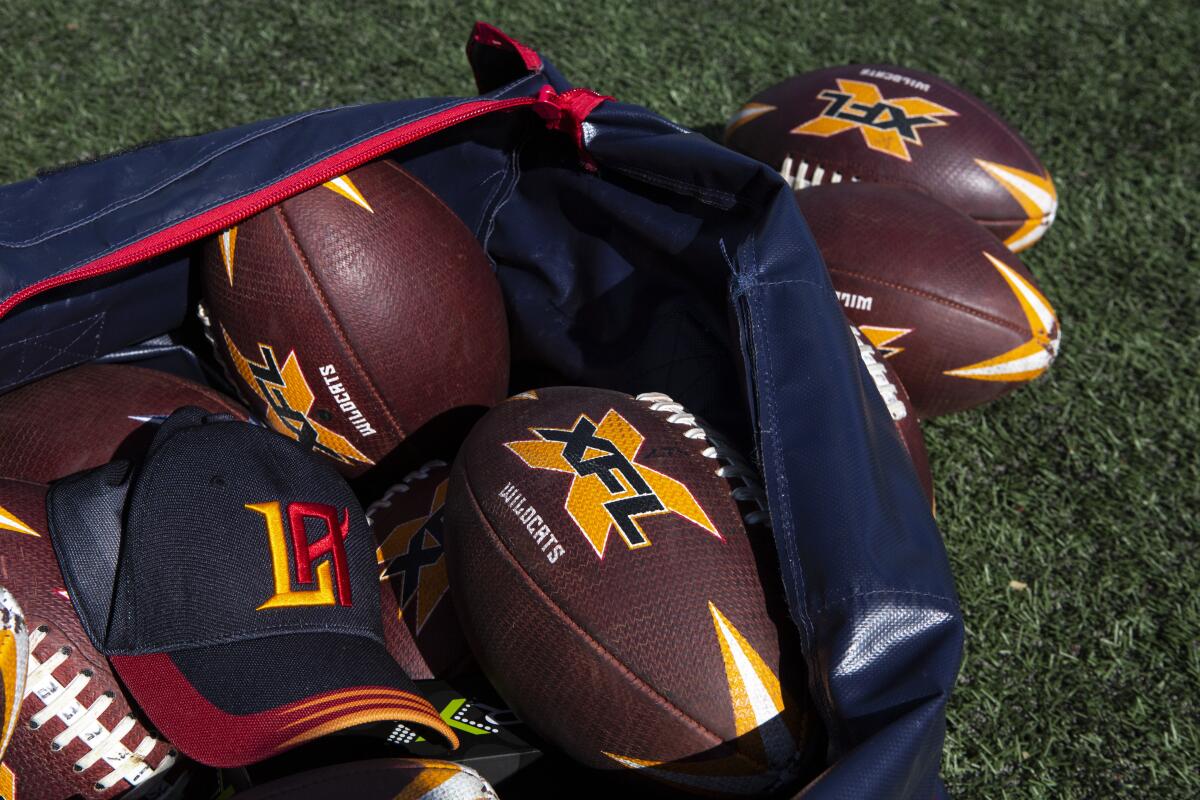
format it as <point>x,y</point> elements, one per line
<point>510,187</point>
<point>65,350</point>
<point>928,296</point>
<point>343,338</point>
<point>117,205</point>
<point>829,605</point>
<point>1018,221</point>
<point>279,630</point>
<point>341,146</point>
<point>578,630</point>
<point>706,195</point>
<point>31,342</point>
<point>488,221</point>
<point>784,513</point>
<point>31,339</point>
<point>757,284</point>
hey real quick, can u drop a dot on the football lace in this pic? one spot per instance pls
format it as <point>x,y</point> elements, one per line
<point>84,723</point>
<point>887,390</point>
<point>419,474</point>
<point>801,175</point>
<point>732,467</point>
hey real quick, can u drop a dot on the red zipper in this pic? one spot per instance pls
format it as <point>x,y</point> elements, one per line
<point>220,218</point>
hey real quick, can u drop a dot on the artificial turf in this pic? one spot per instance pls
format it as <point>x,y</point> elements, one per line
<point>1070,509</point>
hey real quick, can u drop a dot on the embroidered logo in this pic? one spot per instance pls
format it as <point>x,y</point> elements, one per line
<point>888,126</point>
<point>332,574</point>
<point>290,401</point>
<point>608,487</point>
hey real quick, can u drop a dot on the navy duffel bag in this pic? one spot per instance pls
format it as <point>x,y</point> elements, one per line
<point>625,245</point>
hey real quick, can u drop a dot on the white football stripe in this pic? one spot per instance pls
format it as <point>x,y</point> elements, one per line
<point>1039,360</point>
<point>748,113</point>
<point>1034,235</point>
<point>9,522</point>
<point>1044,313</point>
<point>776,740</point>
<point>1045,201</point>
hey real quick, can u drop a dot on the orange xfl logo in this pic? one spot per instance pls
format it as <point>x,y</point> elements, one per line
<point>289,401</point>
<point>332,574</point>
<point>888,126</point>
<point>608,487</point>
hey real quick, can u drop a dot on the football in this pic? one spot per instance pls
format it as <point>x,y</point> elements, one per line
<point>408,526</point>
<point>88,415</point>
<point>351,314</point>
<point>955,313</point>
<point>14,666</point>
<point>610,559</point>
<point>887,124</point>
<point>900,408</point>
<point>78,734</point>
<point>380,779</point>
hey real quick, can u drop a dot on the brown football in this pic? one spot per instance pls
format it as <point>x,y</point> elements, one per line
<point>353,313</point>
<point>900,408</point>
<point>610,560</point>
<point>88,415</point>
<point>886,124</point>
<point>956,314</point>
<point>408,522</point>
<point>78,734</point>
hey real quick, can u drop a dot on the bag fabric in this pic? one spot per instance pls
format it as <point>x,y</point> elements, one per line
<point>634,254</point>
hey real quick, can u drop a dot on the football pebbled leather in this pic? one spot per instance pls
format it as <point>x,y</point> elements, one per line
<point>351,314</point>
<point>88,415</point>
<point>888,124</point>
<point>955,313</point>
<point>63,745</point>
<point>604,558</point>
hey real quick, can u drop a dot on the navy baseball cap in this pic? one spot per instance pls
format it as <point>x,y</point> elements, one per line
<point>230,578</point>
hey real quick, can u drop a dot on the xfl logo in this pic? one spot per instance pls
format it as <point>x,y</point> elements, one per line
<point>888,126</point>
<point>412,552</point>
<point>332,578</point>
<point>608,487</point>
<point>289,401</point>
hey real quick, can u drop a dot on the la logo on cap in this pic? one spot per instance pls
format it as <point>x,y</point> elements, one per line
<point>331,544</point>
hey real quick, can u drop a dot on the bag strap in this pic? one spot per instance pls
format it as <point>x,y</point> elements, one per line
<point>497,59</point>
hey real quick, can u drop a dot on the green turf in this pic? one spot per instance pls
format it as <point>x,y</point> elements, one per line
<point>1083,486</point>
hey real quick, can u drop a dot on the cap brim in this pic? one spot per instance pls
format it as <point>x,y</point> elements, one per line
<point>237,703</point>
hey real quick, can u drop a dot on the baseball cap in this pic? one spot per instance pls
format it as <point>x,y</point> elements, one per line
<point>230,579</point>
